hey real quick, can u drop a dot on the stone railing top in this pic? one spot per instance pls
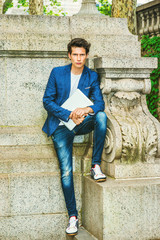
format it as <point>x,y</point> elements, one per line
<point>134,63</point>
<point>148,5</point>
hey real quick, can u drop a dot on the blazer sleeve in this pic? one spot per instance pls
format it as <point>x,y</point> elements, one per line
<point>96,95</point>
<point>49,100</point>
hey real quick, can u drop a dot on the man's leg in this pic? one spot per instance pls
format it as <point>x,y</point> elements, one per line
<point>98,123</point>
<point>63,142</point>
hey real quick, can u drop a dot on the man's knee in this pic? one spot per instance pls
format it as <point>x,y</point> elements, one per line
<point>66,173</point>
<point>101,118</point>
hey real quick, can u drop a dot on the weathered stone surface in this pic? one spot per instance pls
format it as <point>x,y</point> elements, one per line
<point>123,210</point>
<point>29,135</point>
<point>53,34</point>
<point>4,192</point>
<point>34,227</point>
<point>39,194</point>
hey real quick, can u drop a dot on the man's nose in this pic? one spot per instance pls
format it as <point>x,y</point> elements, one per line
<point>79,57</point>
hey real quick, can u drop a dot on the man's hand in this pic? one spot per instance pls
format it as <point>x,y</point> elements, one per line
<point>77,121</point>
<point>79,113</point>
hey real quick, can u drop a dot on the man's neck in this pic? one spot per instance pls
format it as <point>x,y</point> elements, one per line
<point>76,71</point>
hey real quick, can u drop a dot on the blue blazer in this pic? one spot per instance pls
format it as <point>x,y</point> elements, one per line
<point>58,90</point>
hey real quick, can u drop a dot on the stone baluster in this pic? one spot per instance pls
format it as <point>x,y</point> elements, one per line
<point>142,24</point>
<point>151,25</point>
<point>146,29</point>
<point>157,25</point>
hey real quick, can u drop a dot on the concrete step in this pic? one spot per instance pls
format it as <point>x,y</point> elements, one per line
<point>83,234</point>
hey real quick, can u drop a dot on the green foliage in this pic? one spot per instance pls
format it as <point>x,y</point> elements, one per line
<point>23,3</point>
<point>104,7</point>
<point>151,48</point>
<point>8,4</point>
<point>54,4</point>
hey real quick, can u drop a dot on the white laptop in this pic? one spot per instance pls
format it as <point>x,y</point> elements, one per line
<point>77,100</point>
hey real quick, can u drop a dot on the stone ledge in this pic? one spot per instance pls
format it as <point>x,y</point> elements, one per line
<point>33,54</point>
<point>83,234</point>
<point>132,171</point>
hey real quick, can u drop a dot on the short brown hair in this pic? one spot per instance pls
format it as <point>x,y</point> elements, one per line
<point>78,42</point>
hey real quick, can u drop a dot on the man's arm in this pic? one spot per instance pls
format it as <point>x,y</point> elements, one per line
<point>49,100</point>
<point>96,95</point>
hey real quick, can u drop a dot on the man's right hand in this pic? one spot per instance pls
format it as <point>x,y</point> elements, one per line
<point>77,120</point>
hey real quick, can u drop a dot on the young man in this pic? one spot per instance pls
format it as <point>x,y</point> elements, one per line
<point>62,83</point>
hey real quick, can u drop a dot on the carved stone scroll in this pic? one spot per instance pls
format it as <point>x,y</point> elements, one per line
<point>131,135</point>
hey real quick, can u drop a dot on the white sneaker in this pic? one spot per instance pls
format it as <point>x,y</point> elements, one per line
<point>72,228</point>
<point>97,174</point>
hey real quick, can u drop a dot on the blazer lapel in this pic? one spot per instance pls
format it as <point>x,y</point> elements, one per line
<point>67,81</point>
<point>82,79</point>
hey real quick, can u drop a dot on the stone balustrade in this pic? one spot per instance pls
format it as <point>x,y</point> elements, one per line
<point>148,19</point>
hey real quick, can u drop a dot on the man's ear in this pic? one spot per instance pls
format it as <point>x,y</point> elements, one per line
<point>69,55</point>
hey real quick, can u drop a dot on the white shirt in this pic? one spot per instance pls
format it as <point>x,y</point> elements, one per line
<point>74,85</point>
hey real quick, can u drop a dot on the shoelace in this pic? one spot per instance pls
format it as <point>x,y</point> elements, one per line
<point>72,222</point>
<point>97,170</point>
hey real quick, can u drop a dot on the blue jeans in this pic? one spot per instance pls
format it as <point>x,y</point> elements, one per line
<point>63,143</point>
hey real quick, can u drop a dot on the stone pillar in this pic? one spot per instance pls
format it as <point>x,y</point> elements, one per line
<point>88,8</point>
<point>132,148</point>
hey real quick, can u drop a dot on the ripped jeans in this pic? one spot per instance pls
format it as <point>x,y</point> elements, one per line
<point>63,143</point>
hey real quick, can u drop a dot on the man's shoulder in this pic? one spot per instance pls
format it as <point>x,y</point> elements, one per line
<point>61,68</point>
<point>91,72</point>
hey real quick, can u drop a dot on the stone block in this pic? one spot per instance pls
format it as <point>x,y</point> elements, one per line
<point>31,135</point>
<point>2,91</point>
<point>34,227</point>
<point>27,152</point>
<point>4,193</point>
<point>28,194</point>
<point>122,209</point>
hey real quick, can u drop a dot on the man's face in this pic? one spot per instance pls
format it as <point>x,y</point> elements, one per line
<point>78,57</point>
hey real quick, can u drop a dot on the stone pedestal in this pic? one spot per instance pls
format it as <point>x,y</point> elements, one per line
<point>122,209</point>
